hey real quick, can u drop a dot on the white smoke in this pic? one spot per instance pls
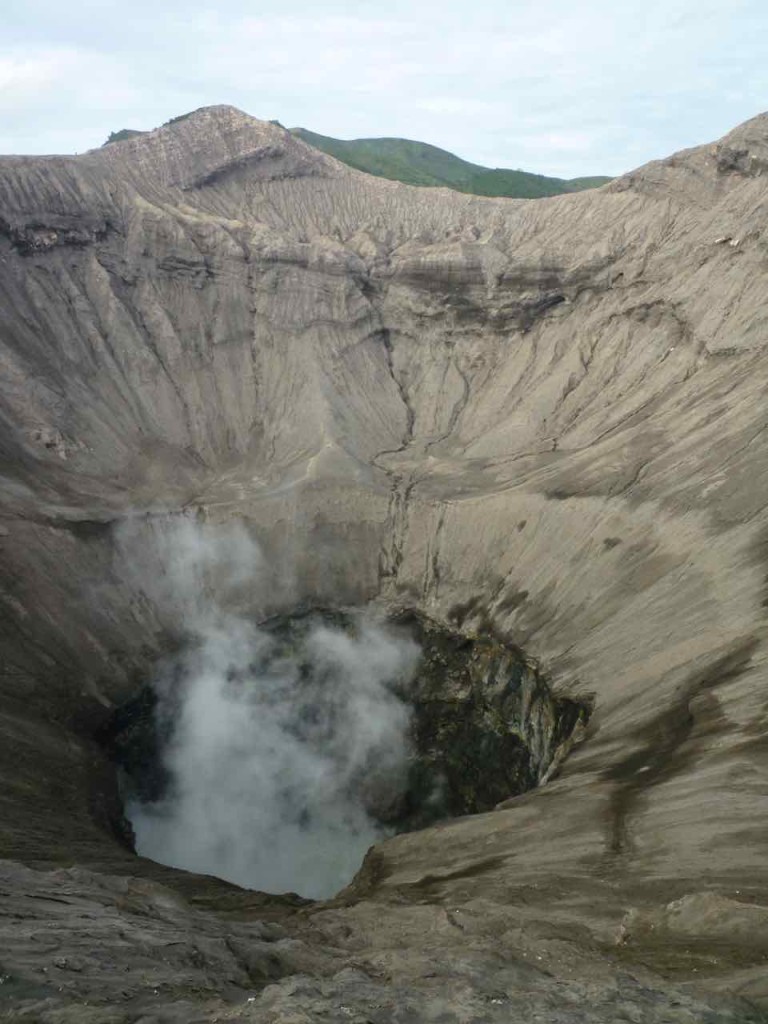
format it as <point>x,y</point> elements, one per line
<point>275,754</point>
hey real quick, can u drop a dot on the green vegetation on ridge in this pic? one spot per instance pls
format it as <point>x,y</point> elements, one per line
<point>123,135</point>
<point>417,163</point>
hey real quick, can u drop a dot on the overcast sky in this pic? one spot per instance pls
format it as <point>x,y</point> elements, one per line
<point>564,87</point>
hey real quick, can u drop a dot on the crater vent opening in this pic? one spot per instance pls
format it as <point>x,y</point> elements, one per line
<point>275,757</point>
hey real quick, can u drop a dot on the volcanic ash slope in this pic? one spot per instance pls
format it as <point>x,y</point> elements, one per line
<point>545,416</point>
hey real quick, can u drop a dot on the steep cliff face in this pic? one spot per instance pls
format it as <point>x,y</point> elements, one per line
<point>548,416</point>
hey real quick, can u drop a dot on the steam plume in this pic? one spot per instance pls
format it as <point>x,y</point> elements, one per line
<point>277,752</point>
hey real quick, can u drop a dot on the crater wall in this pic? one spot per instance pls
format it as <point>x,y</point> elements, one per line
<point>544,416</point>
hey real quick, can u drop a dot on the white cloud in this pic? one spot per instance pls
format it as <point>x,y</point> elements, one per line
<point>49,81</point>
<point>457,105</point>
<point>560,142</point>
<point>26,79</point>
<point>593,87</point>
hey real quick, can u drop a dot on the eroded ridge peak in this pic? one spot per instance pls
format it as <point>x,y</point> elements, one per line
<point>211,143</point>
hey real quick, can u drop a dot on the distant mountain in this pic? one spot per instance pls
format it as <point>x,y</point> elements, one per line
<point>417,163</point>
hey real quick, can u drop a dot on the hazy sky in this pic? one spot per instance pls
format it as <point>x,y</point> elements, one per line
<point>561,87</point>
